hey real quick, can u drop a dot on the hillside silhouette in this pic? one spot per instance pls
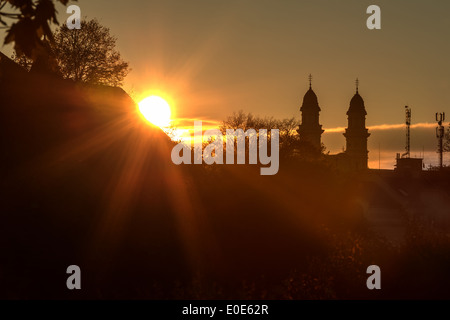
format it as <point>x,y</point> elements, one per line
<point>85,181</point>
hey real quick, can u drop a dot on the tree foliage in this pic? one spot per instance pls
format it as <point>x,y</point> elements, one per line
<point>290,143</point>
<point>244,121</point>
<point>22,61</point>
<point>287,128</point>
<point>32,26</point>
<point>89,54</point>
<point>85,55</point>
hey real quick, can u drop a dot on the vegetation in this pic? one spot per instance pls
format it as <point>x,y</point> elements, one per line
<point>89,54</point>
<point>32,24</point>
<point>290,144</point>
<point>85,55</point>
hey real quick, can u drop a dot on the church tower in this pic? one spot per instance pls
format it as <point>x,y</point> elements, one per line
<point>356,133</point>
<point>310,130</point>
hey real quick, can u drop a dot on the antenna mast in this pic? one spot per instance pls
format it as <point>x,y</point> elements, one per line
<point>407,154</point>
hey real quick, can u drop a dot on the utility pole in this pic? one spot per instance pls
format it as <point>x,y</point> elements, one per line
<point>440,118</point>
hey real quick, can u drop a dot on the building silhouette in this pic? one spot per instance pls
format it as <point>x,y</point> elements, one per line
<point>310,130</point>
<point>355,156</point>
<point>356,133</point>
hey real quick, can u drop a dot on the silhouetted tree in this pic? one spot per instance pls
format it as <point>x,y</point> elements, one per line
<point>22,61</point>
<point>89,54</point>
<point>239,120</point>
<point>32,25</point>
<point>290,144</point>
<point>287,128</point>
<point>244,121</point>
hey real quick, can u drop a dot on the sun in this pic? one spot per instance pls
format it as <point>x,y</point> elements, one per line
<point>156,110</point>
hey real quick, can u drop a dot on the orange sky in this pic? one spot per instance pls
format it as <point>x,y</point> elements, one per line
<point>210,58</point>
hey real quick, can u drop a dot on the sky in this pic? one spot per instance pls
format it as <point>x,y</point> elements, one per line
<point>212,57</point>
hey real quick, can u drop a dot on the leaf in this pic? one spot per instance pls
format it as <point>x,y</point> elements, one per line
<point>45,11</point>
<point>23,33</point>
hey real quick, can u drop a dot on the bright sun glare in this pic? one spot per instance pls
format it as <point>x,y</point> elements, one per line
<point>156,110</point>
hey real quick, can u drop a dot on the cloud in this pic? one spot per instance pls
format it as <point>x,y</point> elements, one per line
<point>386,140</point>
<point>188,123</point>
<point>384,127</point>
<point>185,129</point>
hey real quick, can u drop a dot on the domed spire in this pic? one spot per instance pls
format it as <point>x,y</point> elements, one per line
<point>310,130</point>
<point>357,102</point>
<point>310,102</point>
<point>356,134</point>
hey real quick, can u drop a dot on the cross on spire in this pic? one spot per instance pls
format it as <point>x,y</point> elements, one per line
<point>310,80</point>
<point>357,85</point>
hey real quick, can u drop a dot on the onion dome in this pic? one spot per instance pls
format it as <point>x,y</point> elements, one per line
<point>357,105</point>
<point>310,102</point>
